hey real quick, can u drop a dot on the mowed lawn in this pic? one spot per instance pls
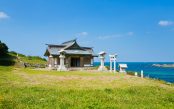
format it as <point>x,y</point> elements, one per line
<point>36,89</point>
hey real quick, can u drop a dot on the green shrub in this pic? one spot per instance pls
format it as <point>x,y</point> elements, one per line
<point>29,57</point>
<point>130,73</point>
<point>13,52</point>
<point>7,62</point>
<point>3,49</point>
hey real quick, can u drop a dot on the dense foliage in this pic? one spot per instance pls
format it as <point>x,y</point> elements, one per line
<point>5,58</point>
<point>3,49</point>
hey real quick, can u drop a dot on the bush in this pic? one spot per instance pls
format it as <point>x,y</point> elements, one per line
<point>7,62</point>
<point>36,58</point>
<point>30,57</point>
<point>130,73</point>
<point>21,55</point>
<point>13,52</point>
<point>3,49</point>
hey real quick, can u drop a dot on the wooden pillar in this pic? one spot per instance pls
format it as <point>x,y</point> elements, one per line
<point>68,61</point>
<point>81,62</point>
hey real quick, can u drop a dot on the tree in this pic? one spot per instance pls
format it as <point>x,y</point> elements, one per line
<point>3,49</point>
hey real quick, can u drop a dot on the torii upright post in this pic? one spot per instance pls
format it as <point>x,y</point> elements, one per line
<point>113,59</point>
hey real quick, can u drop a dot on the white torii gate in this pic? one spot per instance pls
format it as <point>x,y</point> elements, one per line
<point>113,59</point>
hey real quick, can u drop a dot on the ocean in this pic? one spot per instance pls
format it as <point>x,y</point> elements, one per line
<point>161,73</point>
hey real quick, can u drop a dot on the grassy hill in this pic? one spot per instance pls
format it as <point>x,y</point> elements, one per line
<point>13,58</point>
<point>28,88</point>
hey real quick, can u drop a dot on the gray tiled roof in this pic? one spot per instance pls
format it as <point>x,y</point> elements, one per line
<point>77,52</point>
<point>54,49</point>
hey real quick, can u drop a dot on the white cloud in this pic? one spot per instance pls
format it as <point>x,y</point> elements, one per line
<point>82,34</point>
<point>165,23</point>
<point>3,15</point>
<point>116,36</point>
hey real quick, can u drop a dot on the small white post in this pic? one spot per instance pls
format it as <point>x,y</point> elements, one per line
<point>142,74</point>
<point>136,74</point>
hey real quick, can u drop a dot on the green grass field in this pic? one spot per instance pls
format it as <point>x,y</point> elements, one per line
<point>34,89</point>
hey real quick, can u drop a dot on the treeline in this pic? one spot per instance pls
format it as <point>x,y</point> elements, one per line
<point>5,58</point>
<point>3,49</point>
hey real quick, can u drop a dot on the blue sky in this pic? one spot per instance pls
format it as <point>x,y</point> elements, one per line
<point>137,30</point>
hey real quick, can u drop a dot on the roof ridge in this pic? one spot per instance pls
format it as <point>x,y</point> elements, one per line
<point>68,46</point>
<point>73,40</point>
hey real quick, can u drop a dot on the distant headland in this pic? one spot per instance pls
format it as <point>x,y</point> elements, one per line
<point>164,65</point>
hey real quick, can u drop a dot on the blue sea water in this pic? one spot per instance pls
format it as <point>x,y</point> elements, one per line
<point>166,74</point>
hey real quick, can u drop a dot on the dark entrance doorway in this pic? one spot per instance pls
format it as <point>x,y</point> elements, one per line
<point>75,62</point>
